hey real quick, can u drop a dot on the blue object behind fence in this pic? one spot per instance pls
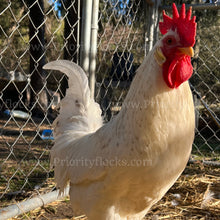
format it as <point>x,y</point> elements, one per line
<point>47,134</point>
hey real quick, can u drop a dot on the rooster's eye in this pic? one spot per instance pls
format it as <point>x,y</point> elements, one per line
<point>169,41</point>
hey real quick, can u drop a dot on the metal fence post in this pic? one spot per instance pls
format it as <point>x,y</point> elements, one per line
<point>93,46</point>
<point>153,23</point>
<point>85,35</point>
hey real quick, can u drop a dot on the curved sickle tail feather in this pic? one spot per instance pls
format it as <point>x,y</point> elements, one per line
<point>79,114</point>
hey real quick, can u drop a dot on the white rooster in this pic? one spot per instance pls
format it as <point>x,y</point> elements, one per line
<point>120,169</point>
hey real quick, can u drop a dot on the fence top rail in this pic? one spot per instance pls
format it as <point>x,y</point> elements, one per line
<point>213,6</point>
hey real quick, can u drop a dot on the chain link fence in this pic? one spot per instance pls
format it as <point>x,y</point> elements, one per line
<point>32,33</point>
<point>37,31</point>
<point>123,43</point>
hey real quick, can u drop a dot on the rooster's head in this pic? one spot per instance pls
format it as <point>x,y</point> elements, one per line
<point>175,51</point>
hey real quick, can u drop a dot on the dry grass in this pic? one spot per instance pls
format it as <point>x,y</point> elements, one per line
<point>182,202</point>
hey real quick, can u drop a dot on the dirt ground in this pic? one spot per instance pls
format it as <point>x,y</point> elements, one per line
<point>185,200</point>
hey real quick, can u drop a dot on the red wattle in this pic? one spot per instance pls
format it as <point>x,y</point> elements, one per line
<point>178,71</point>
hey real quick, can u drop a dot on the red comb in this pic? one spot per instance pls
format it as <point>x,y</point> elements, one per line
<point>182,23</point>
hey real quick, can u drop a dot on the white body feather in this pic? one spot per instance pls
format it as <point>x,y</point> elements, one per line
<point>119,170</point>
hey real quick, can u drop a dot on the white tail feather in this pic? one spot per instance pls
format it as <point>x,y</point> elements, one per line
<point>79,114</point>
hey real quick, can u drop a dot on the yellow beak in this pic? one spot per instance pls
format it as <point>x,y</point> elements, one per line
<point>187,51</point>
